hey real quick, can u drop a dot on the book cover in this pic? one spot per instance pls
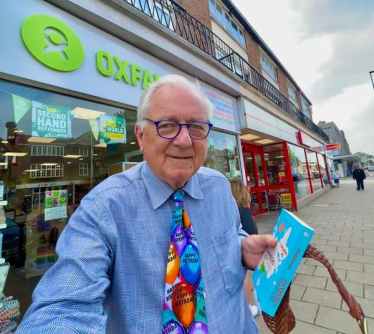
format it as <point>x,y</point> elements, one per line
<point>278,265</point>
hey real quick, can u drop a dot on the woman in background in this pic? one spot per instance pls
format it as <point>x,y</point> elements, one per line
<point>242,197</point>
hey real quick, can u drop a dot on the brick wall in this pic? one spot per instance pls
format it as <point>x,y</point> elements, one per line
<point>282,81</point>
<point>253,51</point>
<point>199,9</point>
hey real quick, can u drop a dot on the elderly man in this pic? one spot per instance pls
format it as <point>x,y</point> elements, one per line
<point>159,248</point>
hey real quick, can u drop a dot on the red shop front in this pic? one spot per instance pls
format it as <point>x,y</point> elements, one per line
<point>279,175</point>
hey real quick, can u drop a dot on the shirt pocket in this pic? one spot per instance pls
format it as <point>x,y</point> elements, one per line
<point>229,254</point>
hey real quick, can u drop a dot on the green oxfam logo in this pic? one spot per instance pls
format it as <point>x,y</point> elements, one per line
<point>52,42</point>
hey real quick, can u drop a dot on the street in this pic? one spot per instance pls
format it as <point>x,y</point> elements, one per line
<point>343,220</point>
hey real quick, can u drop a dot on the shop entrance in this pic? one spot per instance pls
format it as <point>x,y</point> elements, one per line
<point>268,174</point>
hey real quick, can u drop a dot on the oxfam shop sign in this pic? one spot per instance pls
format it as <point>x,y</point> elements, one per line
<point>54,44</point>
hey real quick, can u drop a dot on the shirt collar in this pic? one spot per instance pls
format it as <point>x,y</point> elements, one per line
<point>159,191</point>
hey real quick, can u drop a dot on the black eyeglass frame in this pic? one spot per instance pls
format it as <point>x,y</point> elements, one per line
<point>156,123</point>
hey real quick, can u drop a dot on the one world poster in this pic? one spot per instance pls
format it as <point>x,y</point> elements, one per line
<point>55,204</point>
<point>50,121</point>
<point>112,129</point>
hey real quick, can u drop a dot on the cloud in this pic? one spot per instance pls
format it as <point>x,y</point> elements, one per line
<point>349,26</point>
<point>360,137</point>
<point>332,16</point>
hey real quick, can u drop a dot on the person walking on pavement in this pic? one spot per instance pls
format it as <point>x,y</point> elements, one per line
<point>335,177</point>
<point>359,176</point>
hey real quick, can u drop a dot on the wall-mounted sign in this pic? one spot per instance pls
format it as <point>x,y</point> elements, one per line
<point>71,54</point>
<point>50,121</point>
<point>333,147</point>
<point>223,110</point>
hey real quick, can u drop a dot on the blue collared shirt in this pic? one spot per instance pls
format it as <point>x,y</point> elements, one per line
<point>109,277</point>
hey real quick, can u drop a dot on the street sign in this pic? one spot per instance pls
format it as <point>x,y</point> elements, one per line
<point>332,147</point>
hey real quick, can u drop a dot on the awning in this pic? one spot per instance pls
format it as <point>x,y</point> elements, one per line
<point>349,157</point>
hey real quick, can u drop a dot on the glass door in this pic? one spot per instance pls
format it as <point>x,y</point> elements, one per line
<point>256,180</point>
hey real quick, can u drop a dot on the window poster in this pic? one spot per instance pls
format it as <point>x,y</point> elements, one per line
<point>112,129</point>
<point>55,204</point>
<point>50,121</point>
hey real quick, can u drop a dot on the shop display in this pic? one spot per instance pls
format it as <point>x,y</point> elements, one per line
<point>9,307</point>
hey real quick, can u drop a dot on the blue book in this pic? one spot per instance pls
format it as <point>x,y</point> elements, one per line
<point>278,265</point>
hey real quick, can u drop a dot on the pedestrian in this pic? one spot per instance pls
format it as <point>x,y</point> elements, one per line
<point>158,248</point>
<point>359,176</point>
<point>335,177</point>
<point>242,197</point>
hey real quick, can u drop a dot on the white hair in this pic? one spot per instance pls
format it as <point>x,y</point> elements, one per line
<point>175,81</point>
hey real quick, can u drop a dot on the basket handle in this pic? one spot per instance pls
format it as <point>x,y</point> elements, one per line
<point>284,322</point>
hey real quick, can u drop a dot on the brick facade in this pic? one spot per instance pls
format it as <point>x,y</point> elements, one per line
<point>253,51</point>
<point>199,9</point>
<point>282,81</point>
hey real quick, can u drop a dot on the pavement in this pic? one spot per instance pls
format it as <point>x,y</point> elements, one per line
<point>343,220</point>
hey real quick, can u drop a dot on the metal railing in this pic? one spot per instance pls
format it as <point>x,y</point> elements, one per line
<point>171,15</point>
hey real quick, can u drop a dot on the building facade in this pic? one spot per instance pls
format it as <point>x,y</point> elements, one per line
<point>71,76</point>
<point>340,155</point>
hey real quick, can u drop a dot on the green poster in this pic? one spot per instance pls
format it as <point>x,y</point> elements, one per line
<point>20,107</point>
<point>50,121</point>
<point>112,129</point>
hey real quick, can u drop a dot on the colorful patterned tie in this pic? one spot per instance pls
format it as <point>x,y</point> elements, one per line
<point>184,304</point>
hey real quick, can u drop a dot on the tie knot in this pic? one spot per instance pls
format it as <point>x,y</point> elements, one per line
<point>179,197</point>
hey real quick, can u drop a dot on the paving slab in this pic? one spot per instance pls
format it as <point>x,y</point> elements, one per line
<point>355,266</point>
<point>355,289</point>
<point>337,320</point>
<point>323,297</point>
<point>369,291</point>
<point>343,220</point>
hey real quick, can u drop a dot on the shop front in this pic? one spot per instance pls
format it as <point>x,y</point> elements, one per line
<point>67,115</point>
<point>284,166</point>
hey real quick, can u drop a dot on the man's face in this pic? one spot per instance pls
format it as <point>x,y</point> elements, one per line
<point>174,161</point>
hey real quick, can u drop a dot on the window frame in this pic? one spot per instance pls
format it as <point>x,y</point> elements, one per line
<point>305,106</point>
<point>268,62</point>
<point>228,26</point>
<point>47,151</point>
<point>83,151</point>
<point>45,172</point>
<point>292,89</point>
<point>83,169</point>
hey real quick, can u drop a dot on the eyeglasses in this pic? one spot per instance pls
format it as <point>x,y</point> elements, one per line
<point>171,129</point>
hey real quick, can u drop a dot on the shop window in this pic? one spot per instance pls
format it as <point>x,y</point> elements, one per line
<point>300,174</point>
<point>223,154</point>
<point>249,165</point>
<point>276,168</point>
<point>83,169</point>
<point>314,170</point>
<point>260,170</point>
<point>44,169</point>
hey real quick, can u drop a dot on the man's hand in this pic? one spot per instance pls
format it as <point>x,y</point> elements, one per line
<point>254,246</point>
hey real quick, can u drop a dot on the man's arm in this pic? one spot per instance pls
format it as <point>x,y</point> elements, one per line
<point>69,297</point>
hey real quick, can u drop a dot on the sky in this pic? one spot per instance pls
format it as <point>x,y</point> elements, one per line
<point>328,48</point>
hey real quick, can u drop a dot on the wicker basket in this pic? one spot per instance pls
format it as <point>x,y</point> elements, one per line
<point>284,321</point>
